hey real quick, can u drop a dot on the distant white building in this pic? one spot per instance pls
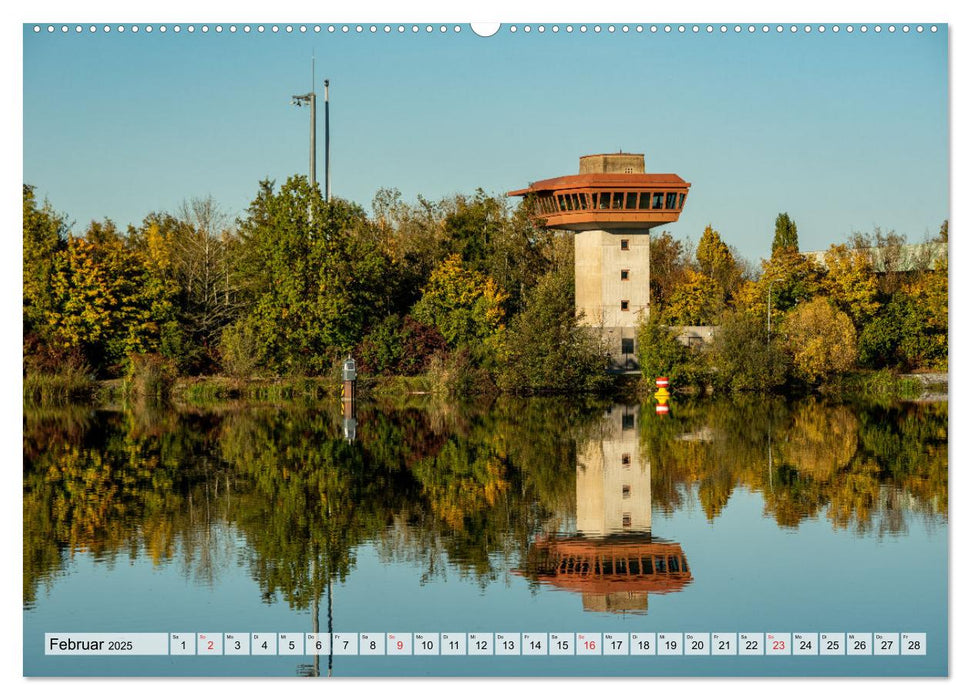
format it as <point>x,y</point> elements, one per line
<point>910,257</point>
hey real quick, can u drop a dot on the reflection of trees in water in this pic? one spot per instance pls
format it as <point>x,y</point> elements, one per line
<point>862,465</point>
<point>461,489</point>
<point>113,484</point>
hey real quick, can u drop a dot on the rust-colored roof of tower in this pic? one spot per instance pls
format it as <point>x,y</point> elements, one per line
<point>575,564</point>
<point>612,191</point>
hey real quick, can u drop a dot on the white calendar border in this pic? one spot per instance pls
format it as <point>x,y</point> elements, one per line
<point>182,10</point>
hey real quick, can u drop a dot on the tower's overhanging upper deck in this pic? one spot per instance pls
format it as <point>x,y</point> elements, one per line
<point>612,191</point>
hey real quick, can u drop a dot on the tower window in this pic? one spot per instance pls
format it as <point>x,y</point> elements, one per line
<point>631,201</point>
<point>625,459</point>
<point>627,346</point>
<point>657,200</point>
<point>625,519</point>
<point>625,275</point>
<point>625,244</point>
<point>625,490</point>
<point>645,200</point>
<point>625,305</point>
<point>672,199</point>
<point>618,200</point>
<point>680,201</point>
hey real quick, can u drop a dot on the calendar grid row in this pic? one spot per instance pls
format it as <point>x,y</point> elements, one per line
<point>491,644</point>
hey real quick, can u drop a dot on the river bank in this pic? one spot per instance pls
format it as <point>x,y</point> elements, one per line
<point>873,385</point>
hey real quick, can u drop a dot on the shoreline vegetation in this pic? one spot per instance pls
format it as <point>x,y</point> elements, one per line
<point>458,298</point>
<point>872,385</point>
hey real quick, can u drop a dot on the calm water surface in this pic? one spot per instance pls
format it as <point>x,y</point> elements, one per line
<point>542,515</point>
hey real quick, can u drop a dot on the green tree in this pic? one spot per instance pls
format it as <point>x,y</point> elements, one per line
<point>472,226</point>
<point>398,346</point>
<point>785,233</point>
<point>311,279</point>
<point>520,253</point>
<point>793,277</point>
<point>744,359</point>
<point>414,239</point>
<point>548,350</point>
<point>660,354</point>
<point>910,331</point>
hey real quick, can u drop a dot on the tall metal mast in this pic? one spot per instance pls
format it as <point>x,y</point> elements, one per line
<point>327,138</point>
<point>311,99</point>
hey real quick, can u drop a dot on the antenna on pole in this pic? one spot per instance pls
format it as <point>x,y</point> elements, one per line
<point>327,139</point>
<point>313,124</point>
<point>311,99</point>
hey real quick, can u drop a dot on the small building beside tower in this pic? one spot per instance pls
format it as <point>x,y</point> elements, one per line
<point>611,207</point>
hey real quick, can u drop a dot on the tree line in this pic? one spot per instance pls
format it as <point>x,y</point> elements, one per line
<point>875,303</point>
<point>467,289</point>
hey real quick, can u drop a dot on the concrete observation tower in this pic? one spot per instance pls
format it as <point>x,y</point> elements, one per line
<point>611,206</point>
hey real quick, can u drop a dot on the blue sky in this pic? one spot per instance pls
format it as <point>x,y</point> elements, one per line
<point>843,131</point>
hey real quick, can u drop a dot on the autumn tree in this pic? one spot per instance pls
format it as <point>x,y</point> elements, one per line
<point>820,338</point>
<point>695,301</point>
<point>785,233</point>
<point>45,234</point>
<point>888,256</point>
<point>104,302</point>
<point>465,305</point>
<point>851,283</point>
<point>716,261</point>
<point>203,247</point>
<point>668,265</point>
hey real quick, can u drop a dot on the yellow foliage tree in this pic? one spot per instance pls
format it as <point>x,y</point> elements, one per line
<point>716,261</point>
<point>465,305</point>
<point>104,301</point>
<point>822,339</point>
<point>696,300</point>
<point>851,282</point>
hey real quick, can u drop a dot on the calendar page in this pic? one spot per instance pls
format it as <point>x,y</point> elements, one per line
<point>536,349</point>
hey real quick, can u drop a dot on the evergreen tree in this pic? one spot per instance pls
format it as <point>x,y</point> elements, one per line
<point>785,233</point>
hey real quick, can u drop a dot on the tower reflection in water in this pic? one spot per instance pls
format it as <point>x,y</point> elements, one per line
<point>613,561</point>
